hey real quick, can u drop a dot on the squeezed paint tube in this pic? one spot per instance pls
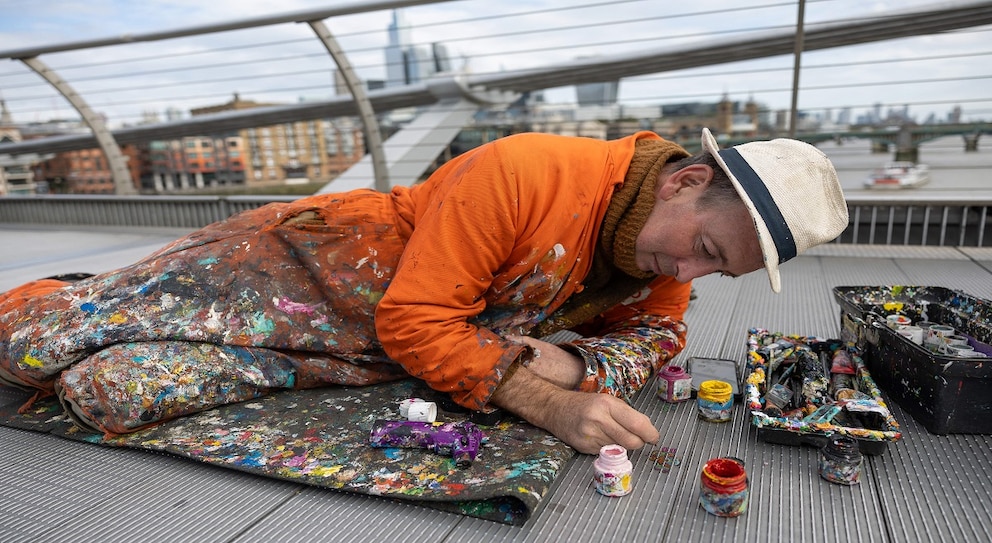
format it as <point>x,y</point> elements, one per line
<point>865,406</point>
<point>842,363</point>
<point>459,440</point>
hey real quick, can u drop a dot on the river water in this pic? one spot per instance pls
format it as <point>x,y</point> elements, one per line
<point>952,170</point>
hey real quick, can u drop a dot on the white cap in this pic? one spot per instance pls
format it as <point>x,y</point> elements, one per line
<point>405,406</point>
<point>422,412</point>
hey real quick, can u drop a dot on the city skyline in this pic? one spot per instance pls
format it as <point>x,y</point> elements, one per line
<point>932,89</point>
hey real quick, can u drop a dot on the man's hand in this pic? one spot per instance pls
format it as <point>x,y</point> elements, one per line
<point>587,421</point>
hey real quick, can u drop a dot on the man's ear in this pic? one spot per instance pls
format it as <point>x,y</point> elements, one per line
<point>694,176</point>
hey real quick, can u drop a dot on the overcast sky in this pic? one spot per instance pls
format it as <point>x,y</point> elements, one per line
<point>284,63</point>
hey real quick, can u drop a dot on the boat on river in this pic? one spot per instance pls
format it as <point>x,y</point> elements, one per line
<point>898,175</point>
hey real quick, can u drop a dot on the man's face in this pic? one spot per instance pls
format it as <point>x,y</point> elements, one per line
<point>685,241</point>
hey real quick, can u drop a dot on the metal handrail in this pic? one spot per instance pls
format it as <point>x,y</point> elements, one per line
<point>891,220</point>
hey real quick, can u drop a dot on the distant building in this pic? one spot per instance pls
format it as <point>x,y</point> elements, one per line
<point>53,127</point>
<point>440,58</point>
<point>597,94</point>
<point>194,163</point>
<point>954,116</point>
<point>173,114</point>
<point>406,63</point>
<point>736,120</point>
<point>31,174</point>
<point>16,173</point>
<point>87,171</point>
<point>844,118</point>
<point>83,171</point>
<point>341,88</point>
<point>289,153</point>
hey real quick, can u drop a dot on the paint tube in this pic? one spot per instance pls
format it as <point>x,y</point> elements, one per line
<point>814,379</point>
<point>842,362</point>
<point>823,414</point>
<point>841,385</point>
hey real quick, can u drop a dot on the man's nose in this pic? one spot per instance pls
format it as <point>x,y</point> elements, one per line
<point>691,268</point>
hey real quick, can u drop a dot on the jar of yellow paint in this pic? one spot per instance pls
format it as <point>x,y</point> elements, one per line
<point>716,400</point>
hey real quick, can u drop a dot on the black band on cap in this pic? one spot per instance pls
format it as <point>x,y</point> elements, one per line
<point>763,202</point>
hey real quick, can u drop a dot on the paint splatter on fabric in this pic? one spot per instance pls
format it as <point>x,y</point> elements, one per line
<point>320,437</point>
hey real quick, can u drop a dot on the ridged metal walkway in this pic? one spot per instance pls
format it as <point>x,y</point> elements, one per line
<point>923,488</point>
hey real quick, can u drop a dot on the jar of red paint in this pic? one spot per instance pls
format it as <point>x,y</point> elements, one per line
<point>723,487</point>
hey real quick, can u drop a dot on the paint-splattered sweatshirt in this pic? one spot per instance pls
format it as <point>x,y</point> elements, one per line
<point>340,288</point>
<point>499,238</point>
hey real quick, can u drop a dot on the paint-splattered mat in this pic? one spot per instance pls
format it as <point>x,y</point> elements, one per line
<point>320,437</point>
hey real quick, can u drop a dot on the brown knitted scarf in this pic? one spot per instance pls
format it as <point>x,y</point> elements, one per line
<point>614,275</point>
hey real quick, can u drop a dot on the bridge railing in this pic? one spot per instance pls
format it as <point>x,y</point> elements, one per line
<point>893,220</point>
<point>934,220</point>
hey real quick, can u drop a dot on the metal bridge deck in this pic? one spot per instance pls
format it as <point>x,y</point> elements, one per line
<point>923,488</point>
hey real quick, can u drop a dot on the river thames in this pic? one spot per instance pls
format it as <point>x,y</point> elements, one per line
<point>952,170</point>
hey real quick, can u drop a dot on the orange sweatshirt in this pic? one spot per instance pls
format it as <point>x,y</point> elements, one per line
<point>499,238</point>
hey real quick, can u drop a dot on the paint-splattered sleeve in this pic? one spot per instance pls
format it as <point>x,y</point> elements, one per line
<point>625,346</point>
<point>461,239</point>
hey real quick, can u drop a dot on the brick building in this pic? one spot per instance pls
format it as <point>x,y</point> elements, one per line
<point>298,152</point>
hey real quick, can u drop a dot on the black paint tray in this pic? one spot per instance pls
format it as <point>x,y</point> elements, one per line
<point>946,394</point>
<point>876,431</point>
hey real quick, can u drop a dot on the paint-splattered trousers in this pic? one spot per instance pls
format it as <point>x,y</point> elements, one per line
<point>226,314</point>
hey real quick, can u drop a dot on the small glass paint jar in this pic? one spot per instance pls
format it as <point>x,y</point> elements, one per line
<point>715,400</point>
<point>912,333</point>
<point>674,384</point>
<point>953,339</point>
<point>925,326</point>
<point>895,321</point>
<point>777,399</point>
<point>960,350</point>
<point>840,461</point>
<point>723,487</point>
<point>935,337</point>
<point>613,471</point>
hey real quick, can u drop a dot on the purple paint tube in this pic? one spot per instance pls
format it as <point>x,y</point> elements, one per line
<point>459,440</point>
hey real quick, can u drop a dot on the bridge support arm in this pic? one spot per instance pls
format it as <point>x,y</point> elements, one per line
<point>373,137</point>
<point>115,158</point>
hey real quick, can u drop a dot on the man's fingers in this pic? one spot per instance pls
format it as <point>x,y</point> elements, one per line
<point>618,423</point>
<point>635,422</point>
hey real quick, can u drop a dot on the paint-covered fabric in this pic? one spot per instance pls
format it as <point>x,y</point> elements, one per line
<point>352,288</point>
<point>321,438</point>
